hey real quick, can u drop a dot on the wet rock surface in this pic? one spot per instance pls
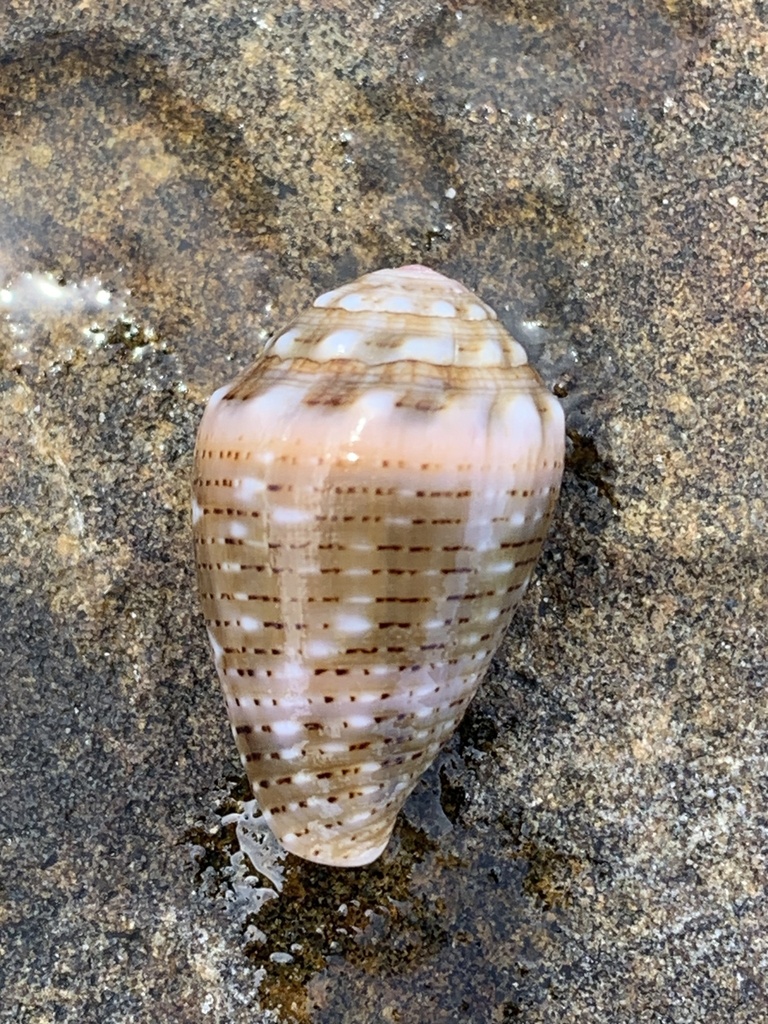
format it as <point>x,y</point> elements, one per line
<point>176,182</point>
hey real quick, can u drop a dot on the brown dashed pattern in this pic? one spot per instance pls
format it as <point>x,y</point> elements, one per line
<point>245,590</point>
<point>353,606</point>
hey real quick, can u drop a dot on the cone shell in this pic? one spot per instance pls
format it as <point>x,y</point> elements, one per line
<point>370,498</point>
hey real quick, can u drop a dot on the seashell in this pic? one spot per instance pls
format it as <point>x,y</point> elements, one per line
<point>370,498</point>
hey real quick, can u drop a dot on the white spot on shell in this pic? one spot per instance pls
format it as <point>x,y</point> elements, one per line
<point>442,308</point>
<point>360,721</point>
<point>218,650</point>
<point>249,623</point>
<point>249,486</point>
<point>555,409</point>
<point>284,345</point>
<point>320,649</point>
<point>335,747</point>
<point>375,404</point>
<point>501,567</point>
<point>291,753</point>
<point>398,521</point>
<point>291,702</point>
<point>523,421</point>
<point>197,512</point>
<point>436,350</point>
<point>517,518</point>
<point>324,300</point>
<point>475,312</point>
<point>217,397</point>
<point>319,801</point>
<point>284,515</point>
<point>354,819</point>
<point>238,530</point>
<point>352,625</point>
<point>339,345</point>
<point>489,353</point>
<point>354,302</point>
<point>519,355</point>
<point>291,672</point>
<point>286,728</point>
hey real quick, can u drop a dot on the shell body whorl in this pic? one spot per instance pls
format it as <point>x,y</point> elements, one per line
<point>370,498</point>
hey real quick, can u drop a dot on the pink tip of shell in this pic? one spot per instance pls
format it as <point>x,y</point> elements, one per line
<point>425,274</point>
<point>417,269</point>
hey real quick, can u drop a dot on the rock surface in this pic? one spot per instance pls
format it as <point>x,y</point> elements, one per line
<point>177,180</point>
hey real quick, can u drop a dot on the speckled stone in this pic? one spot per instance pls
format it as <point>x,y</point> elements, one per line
<point>592,845</point>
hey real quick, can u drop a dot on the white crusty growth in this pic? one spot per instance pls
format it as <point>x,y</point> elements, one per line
<point>370,499</point>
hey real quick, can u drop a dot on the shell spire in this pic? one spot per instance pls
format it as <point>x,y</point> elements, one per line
<point>370,499</point>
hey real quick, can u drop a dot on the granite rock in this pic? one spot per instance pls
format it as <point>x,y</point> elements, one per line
<point>177,179</point>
